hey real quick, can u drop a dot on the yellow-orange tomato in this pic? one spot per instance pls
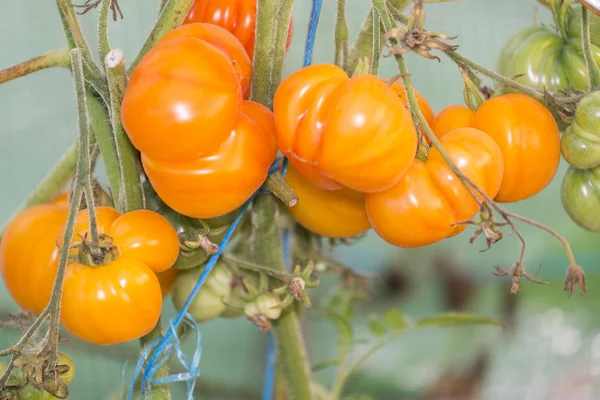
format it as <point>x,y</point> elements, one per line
<point>185,96</point>
<point>221,181</point>
<point>237,16</point>
<point>112,303</point>
<point>530,142</point>
<point>29,255</point>
<point>421,208</point>
<point>62,199</point>
<point>339,131</point>
<point>333,213</point>
<point>453,117</point>
<point>424,106</point>
<point>166,280</point>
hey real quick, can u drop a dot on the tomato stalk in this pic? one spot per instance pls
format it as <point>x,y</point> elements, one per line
<point>342,35</point>
<point>276,185</point>
<point>574,271</point>
<point>592,67</point>
<point>54,58</point>
<point>103,41</point>
<point>172,15</point>
<point>376,52</point>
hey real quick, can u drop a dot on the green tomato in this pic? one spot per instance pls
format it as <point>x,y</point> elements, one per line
<point>580,195</point>
<point>580,143</point>
<point>549,60</point>
<point>208,303</point>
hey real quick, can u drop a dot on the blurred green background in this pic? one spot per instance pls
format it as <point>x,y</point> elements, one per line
<point>554,353</point>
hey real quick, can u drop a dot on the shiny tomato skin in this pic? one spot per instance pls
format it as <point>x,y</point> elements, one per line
<point>530,142</point>
<point>220,182</point>
<point>112,303</point>
<point>580,142</point>
<point>183,98</point>
<point>29,255</point>
<point>105,217</point>
<point>166,280</point>
<point>421,208</point>
<point>332,213</point>
<point>580,196</point>
<point>453,117</point>
<point>146,236</point>
<point>424,106</point>
<point>332,126</point>
<point>237,16</point>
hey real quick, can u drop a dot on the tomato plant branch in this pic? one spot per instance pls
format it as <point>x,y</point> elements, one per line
<point>590,61</point>
<point>103,41</point>
<point>54,58</point>
<point>376,52</point>
<point>130,186</point>
<point>272,24</point>
<point>172,15</point>
<point>250,266</point>
<point>363,45</point>
<point>277,185</point>
<point>342,34</point>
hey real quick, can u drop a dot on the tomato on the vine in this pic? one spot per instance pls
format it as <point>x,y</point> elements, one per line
<point>339,131</point>
<point>29,255</point>
<point>452,117</point>
<point>219,182</point>
<point>549,60</point>
<point>422,208</point>
<point>237,16</point>
<point>580,195</point>
<point>166,280</point>
<point>332,213</point>
<point>580,142</point>
<point>398,87</point>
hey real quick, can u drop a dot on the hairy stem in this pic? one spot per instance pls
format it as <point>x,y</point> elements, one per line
<point>54,58</point>
<point>276,185</point>
<point>103,41</point>
<point>130,185</point>
<point>592,67</point>
<point>342,35</point>
<point>172,15</point>
<point>363,45</point>
<point>272,23</point>
<point>376,52</point>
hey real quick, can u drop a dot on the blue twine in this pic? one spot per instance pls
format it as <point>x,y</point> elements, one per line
<point>312,31</point>
<point>164,346</point>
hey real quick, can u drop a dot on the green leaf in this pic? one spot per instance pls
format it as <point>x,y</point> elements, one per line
<point>395,319</point>
<point>326,364</point>
<point>376,325</point>
<point>344,327</point>
<point>457,319</point>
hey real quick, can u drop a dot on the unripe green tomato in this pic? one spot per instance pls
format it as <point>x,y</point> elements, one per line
<point>30,392</point>
<point>252,279</point>
<point>208,303</point>
<point>549,60</point>
<point>580,195</point>
<point>68,376</point>
<point>580,143</point>
<point>266,304</point>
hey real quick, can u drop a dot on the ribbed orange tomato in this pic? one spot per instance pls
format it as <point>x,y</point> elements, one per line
<point>424,106</point>
<point>339,131</point>
<point>185,96</point>
<point>29,255</point>
<point>221,181</point>
<point>452,117</point>
<point>332,213</point>
<point>237,16</point>
<point>421,208</point>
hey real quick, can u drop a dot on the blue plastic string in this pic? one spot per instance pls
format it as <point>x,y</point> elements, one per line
<point>312,31</point>
<point>269,384</point>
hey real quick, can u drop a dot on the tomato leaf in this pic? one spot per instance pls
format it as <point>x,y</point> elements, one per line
<point>377,326</point>
<point>395,319</point>
<point>457,319</point>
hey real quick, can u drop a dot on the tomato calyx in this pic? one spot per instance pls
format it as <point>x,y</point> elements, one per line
<point>575,279</point>
<point>486,225</point>
<point>95,254</point>
<point>44,371</point>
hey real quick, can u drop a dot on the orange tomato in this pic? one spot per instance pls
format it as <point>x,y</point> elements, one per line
<point>62,199</point>
<point>339,131</point>
<point>110,304</point>
<point>530,142</point>
<point>421,208</point>
<point>452,117</point>
<point>333,213</point>
<point>424,106</point>
<point>166,280</point>
<point>221,181</point>
<point>185,96</point>
<point>237,16</point>
<point>29,255</point>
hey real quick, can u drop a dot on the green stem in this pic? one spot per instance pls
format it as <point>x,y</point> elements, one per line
<point>277,185</point>
<point>54,58</point>
<point>161,6</point>
<point>130,186</point>
<point>376,52</point>
<point>267,250</point>
<point>172,15</point>
<point>103,41</point>
<point>592,67</point>
<point>363,45</point>
<point>272,23</point>
<point>342,35</point>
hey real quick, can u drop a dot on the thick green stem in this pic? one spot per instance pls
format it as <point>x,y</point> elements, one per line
<point>172,15</point>
<point>363,45</point>
<point>376,52</point>
<point>103,41</point>
<point>342,35</point>
<point>267,250</point>
<point>592,67</point>
<point>277,185</point>
<point>130,186</point>
<point>54,58</point>
<point>272,23</point>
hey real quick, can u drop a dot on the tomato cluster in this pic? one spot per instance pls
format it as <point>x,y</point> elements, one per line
<point>121,289</point>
